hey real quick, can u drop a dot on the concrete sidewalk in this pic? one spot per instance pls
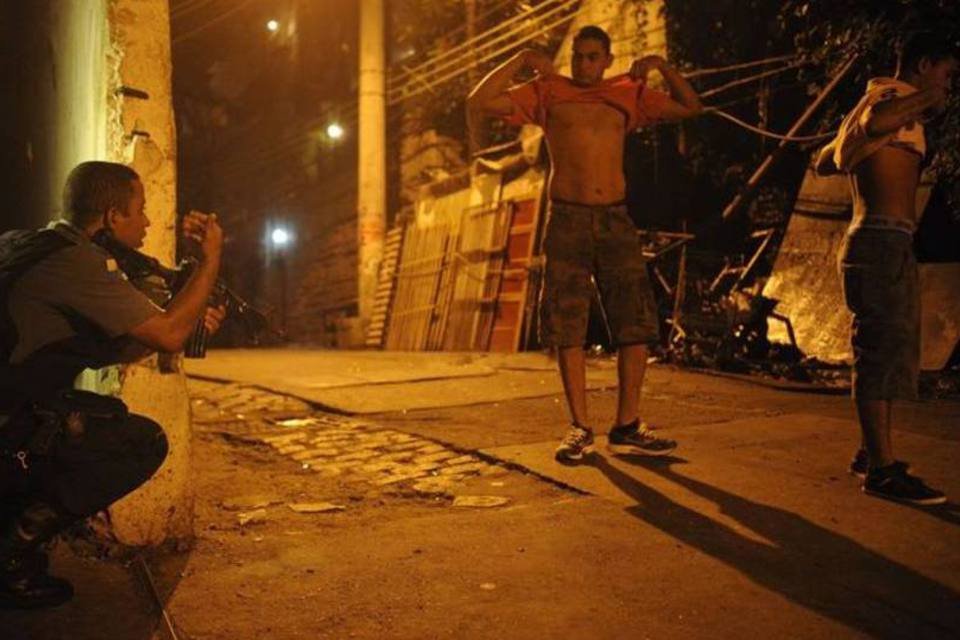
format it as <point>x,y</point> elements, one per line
<point>359,382</point>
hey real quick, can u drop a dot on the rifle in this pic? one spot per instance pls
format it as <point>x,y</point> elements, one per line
<point>138,266</point>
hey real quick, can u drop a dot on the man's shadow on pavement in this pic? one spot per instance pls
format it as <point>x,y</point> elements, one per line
<point>949,512</point>
<point>812,566</point>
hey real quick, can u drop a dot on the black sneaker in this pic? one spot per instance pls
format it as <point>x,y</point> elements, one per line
<point>860,465</point>
<point>577,442</point>
<point>894,483</point>
<point>638,438</point>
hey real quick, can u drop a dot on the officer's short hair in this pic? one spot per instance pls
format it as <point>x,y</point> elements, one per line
<point>932,45</point>
<point>593,32</point>
<point>93,188</point>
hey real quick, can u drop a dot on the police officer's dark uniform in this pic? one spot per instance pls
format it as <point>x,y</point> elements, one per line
<point>64,455</point>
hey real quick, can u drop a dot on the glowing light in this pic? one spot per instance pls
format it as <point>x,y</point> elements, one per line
<point>280,237</point>
<point>334,131</point>
<point>272,25</point>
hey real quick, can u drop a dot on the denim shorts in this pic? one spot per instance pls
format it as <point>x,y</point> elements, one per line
<point>881,288</point>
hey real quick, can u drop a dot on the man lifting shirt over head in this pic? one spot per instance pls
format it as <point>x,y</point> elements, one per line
<point>881,144</point>
<point>589,235</point>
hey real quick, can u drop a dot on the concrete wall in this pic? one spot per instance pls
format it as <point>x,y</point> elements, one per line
<point>322,271</point>
<point>54,95</point>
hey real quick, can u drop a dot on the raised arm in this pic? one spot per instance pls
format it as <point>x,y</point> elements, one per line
<point>168,331</point>
<point>824,165</point>
<point>892,115</point>
<point>684,103</point>
<point>489,97</point>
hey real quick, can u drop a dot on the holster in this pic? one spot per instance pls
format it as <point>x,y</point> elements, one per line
<point>35,427</point>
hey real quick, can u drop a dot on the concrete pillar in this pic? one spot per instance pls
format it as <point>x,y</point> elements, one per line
<point>371,171</point>
<point>142,133</point>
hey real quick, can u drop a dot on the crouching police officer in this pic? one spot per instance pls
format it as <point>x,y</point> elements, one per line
<point>65,307</point>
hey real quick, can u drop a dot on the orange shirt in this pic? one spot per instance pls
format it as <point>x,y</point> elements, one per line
<point>532,100</point>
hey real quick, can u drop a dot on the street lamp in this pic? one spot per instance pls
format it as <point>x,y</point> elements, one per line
<point>280,237</point>
<point>334,131</point>
<point>272,25</point>
<point>280,240</point>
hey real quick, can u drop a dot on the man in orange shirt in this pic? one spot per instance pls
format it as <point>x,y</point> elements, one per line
<point>590,238</point>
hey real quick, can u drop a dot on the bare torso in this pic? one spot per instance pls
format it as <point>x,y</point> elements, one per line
<point>586,152</point>
<point>885,185</point>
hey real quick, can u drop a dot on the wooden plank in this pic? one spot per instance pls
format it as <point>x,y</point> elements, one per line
<point>517,298</point>
<point>470,272</point>
<point>386,285</point>
<point>494,277</point>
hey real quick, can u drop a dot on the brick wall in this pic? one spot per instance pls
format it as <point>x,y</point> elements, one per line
<point>322,273</point>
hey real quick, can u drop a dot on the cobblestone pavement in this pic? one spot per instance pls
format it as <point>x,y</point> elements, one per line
<point>335,446</point>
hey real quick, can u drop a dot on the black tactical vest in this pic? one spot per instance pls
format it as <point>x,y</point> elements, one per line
<point>20,250</point>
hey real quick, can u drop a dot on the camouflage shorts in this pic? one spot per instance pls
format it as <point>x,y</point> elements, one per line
<point>587,247</point>
<point>881,287</point>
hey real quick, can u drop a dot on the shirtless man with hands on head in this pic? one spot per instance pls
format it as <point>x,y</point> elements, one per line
<point>590,237</point>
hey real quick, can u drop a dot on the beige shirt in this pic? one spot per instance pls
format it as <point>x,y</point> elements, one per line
<point>853,144</point>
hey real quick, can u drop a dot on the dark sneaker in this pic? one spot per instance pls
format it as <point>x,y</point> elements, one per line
<point>860,465</point>
<point>894,483</point>
<point>577,442</point>
<point>638,438</point>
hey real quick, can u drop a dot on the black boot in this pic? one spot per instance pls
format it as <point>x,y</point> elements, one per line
<point>25,584</point>
<point>24,581</point>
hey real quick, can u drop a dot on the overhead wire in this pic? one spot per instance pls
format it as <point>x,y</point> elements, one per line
<point>765,132</point>
<point>448,57</point>
<point>189,6</point>
<point>718,112</point>
<point>212,21</point>
<point>696,73</point>
<point>486,13</point>
<point>742,81</point>
<point>477,62</point>
<point>470,60</point>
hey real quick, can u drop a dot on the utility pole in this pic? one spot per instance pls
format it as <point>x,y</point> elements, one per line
<point>371,172</point>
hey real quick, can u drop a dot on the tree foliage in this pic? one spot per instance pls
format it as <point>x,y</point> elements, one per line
<point>720,156</point>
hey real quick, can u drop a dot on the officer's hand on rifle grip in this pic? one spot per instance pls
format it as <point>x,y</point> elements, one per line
<point>213,318</point>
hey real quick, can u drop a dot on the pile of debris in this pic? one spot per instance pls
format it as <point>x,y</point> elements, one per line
<point>730,333</point>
